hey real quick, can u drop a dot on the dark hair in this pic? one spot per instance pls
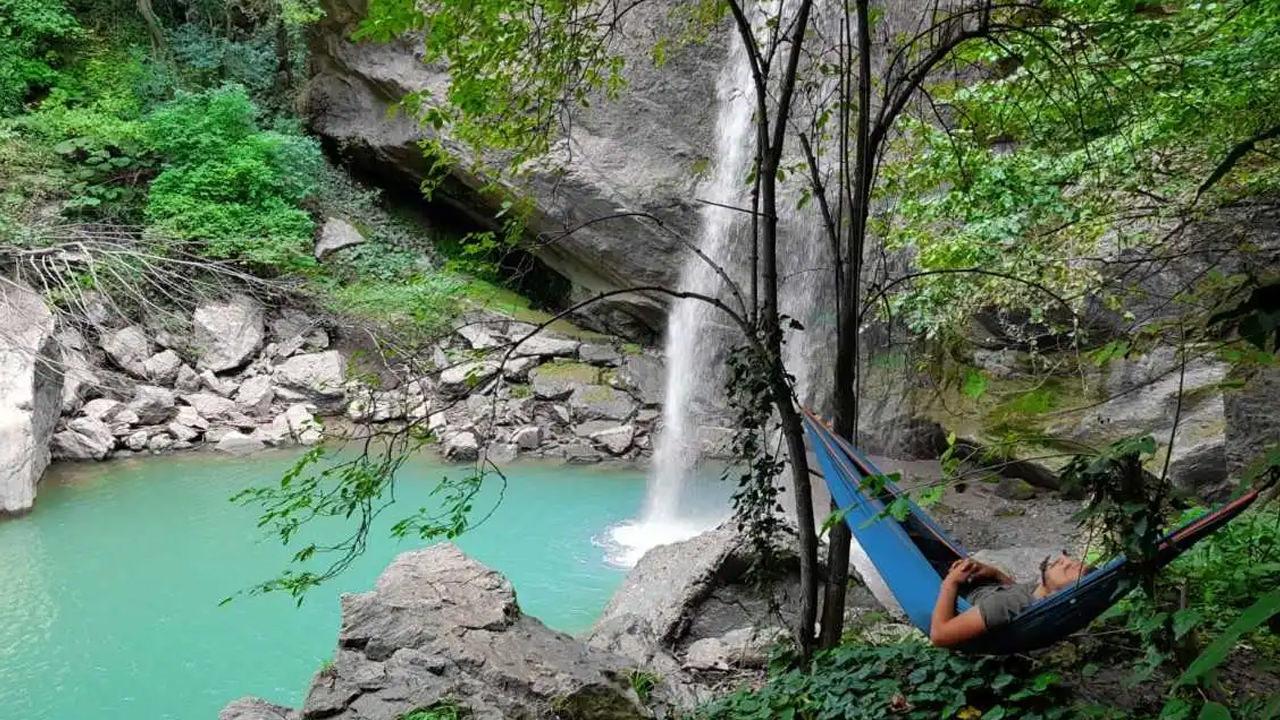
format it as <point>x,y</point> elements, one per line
<point>1044,567</point>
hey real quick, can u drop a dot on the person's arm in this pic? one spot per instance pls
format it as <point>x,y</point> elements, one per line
<point>946,628</point>
<point>991,572</point>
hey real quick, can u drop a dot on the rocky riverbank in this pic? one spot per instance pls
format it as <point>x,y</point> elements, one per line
<point>238,376</point>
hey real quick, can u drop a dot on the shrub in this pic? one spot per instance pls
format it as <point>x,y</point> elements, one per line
<point>30,31</point>
<point>229,184</point>
<point>908,680</point>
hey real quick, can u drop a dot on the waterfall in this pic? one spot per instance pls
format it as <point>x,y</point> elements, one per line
<point>697,337</point>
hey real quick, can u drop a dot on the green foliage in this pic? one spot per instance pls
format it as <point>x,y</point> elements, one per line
<point>1122,499</point>
<point>419,306</point>
<point>908,680</point>
<point>642,682</point>
<point>230,184</point>
<point>443,710</point>
<point>33,34</point>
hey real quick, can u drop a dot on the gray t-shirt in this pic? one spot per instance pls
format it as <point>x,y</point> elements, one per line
<point>998,604</point>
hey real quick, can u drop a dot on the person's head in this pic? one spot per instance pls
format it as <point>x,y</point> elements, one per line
<point>1060,572</point>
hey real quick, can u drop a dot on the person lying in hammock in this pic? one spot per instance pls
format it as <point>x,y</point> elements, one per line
<point>995,596</point>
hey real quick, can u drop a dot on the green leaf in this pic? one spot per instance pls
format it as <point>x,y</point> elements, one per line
<point>975,384</point>
<point>1217,651</point>
<point>1214,711</point>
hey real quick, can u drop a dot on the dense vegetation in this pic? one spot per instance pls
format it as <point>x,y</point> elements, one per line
<point>1089,127</point>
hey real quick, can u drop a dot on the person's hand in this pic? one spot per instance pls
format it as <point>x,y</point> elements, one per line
<point>962,571</point>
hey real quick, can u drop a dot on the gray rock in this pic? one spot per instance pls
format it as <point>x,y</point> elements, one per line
<point>1015,489</point>
<point>501,452</point>
<point>79,377</point>
<point>160,442</point>
<point>128,349</point>
<point>252,708</point>
<point>459,380</point>
<point>1200,468</point>
<point>31,393</point>
<point>598,354</point>
<point>622,152</point>
<point>742,648</point>
<point>137,440</point>
<point>298,330</point>
<point>591,427</point>
<point>1003,363</point>
<point>601,402</point>
<point>103,409</point>
<point>163,367</point>
<point>226,335</point>
<point>558,380</point>
<point>439,625</point>
<point>644,377</point>
<point>335,235</point>
<point>528,437</point>
<point>187,380</point>
<point>303,426</point>
<point>371,406</point>
<point>317,378</point>
<point>235,442</point>
<point>217,385</point>
<point>542,345</point>
<point>189,416</point>
<point>211,407</point>
<point>461,446</point>
<point>616,440</point>
<point>255,395</point>
<point>478,336</point>
<point>84,439</point>
<point>125,418</point>
<point>579,454</point>
<point>517,368</point>
<point>1252,419</point>
<point>153,405</point>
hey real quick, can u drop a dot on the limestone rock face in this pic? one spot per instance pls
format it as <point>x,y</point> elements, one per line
<point>439,626</point>
<point>625,155</point>
<point>1253,418</point>
<point>335,235</point>
<point>227,334</point>
<point>30,394</point>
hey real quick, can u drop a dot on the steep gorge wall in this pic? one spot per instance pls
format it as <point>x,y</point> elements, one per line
<point>641,152</point>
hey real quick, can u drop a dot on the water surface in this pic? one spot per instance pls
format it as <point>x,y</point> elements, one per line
<point>109,591</point>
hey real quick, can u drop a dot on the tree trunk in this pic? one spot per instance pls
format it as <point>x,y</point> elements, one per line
<point>153,24</point>
<point>847,342</point>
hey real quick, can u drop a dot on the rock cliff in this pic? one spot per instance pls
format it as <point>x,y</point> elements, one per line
<point>30,393</point>
<point>639,152</point>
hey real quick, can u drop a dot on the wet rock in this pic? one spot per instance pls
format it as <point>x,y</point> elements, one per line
<point>153,405</point>
<point>317,378</point>
<point>459,380</point>
<point>84,439</point>
<point>235,442</point>
<point>601,402</point>
<point>579,454</point>
<point>211,407</point>
<point>616,440</point>
<point>440,626</point>
<point>255,395</point>
<point>252,708</point>
<point>335,235</point>
<point>162,368</point>
<point>128,348</point>
<point>226,335</point>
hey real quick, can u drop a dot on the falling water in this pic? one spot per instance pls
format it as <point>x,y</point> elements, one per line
<point>696,337</point>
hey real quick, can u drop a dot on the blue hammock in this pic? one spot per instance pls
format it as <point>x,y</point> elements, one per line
<point>912,555</point>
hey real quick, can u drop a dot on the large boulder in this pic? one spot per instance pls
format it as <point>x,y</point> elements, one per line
<point>1252,417</point>
<point>128,348</point>
<point>601,402</point>
<point>317,378</point>
<point>153,405</point>
<point>84,438</point>
<point>625,156</point>
<point>459,380</point>
<point>252,708</point>
<point>227,334</point>
<point>441,627</point>
<point>335,235</point>
<point>79,378</point>
<point>30,393</point>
